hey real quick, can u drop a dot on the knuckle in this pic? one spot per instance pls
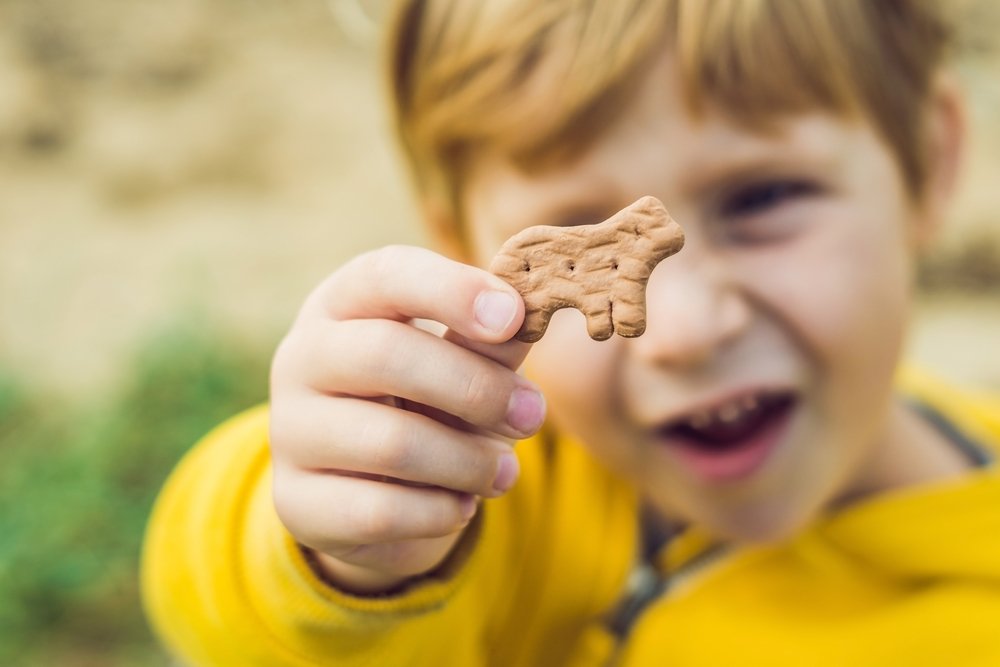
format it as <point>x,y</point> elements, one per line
<point>383,263</point>
<point>390,446</point>
<point>294,364</point>
<point>282,363</point>
<point>374,349</point>
<point>474,466</point>
<point>375,519</point>
<point>281,352</point>
<point>287,505</point>
<point>291,433</point>
<point>479,391</point>
<point>279,492</point>
<point>277,434</point>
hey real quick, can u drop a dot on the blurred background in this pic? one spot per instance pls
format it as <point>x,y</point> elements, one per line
<point>174,178</point>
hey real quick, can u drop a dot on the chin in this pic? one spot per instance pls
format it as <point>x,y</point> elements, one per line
<point>761,525</point>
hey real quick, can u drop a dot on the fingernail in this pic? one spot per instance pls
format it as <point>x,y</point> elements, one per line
<point>526,410</point>
<point>495,309</point>
<point>507,469</point>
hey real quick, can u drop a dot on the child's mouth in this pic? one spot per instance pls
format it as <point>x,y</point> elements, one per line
<point>732,439</point>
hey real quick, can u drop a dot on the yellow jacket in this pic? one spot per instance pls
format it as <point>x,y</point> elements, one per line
<point>907,578</point>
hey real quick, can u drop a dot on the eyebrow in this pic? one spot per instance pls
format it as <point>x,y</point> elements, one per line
<point>761,155</point>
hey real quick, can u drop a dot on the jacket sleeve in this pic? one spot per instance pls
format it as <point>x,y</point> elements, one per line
<point>225,584</point>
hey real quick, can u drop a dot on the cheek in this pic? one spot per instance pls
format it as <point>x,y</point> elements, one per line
<point>843,289</point>
<point>577,376</point>
<point>842,297</point>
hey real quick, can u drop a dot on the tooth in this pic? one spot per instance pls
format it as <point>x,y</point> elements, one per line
<point>700,419</point>
<point>730,413</point>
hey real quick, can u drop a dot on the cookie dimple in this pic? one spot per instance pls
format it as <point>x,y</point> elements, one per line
<point>601,270</point>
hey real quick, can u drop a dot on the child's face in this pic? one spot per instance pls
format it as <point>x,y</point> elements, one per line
<point>761,389</point>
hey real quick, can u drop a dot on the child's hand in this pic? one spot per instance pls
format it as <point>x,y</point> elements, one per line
<point>383,434</point>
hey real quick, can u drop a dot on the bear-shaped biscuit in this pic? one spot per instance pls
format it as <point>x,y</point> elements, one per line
<point>601,269</point>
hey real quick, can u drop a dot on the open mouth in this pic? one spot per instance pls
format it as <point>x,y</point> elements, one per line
<point>730,439</point>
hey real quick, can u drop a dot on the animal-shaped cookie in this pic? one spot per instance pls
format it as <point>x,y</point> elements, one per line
<point>601,269</point>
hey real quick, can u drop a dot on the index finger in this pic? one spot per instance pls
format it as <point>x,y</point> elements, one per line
<point>403,282</point>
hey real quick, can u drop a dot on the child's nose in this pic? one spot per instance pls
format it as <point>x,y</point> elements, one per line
<point>694,308</point>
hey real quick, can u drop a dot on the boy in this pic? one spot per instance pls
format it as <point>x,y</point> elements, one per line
<point>740,485</point>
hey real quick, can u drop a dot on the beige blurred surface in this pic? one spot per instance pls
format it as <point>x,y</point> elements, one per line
<point>221,156</point>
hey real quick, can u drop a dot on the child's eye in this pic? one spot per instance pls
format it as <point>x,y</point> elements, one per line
<point>762,212</point>
<point>760,197</point>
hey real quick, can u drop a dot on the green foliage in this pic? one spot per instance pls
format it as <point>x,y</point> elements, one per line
<point>76,486</point>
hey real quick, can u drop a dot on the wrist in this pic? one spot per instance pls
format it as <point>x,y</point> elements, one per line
<point>358,580</point>
<point>352,579</point>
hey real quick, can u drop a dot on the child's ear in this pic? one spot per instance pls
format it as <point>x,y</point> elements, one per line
<point>443,227</point>
<point>945,132</point>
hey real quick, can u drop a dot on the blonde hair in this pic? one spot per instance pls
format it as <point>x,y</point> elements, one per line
<point>470,75</point>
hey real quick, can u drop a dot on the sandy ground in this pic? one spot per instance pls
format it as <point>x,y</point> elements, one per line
<point>219,157</point>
